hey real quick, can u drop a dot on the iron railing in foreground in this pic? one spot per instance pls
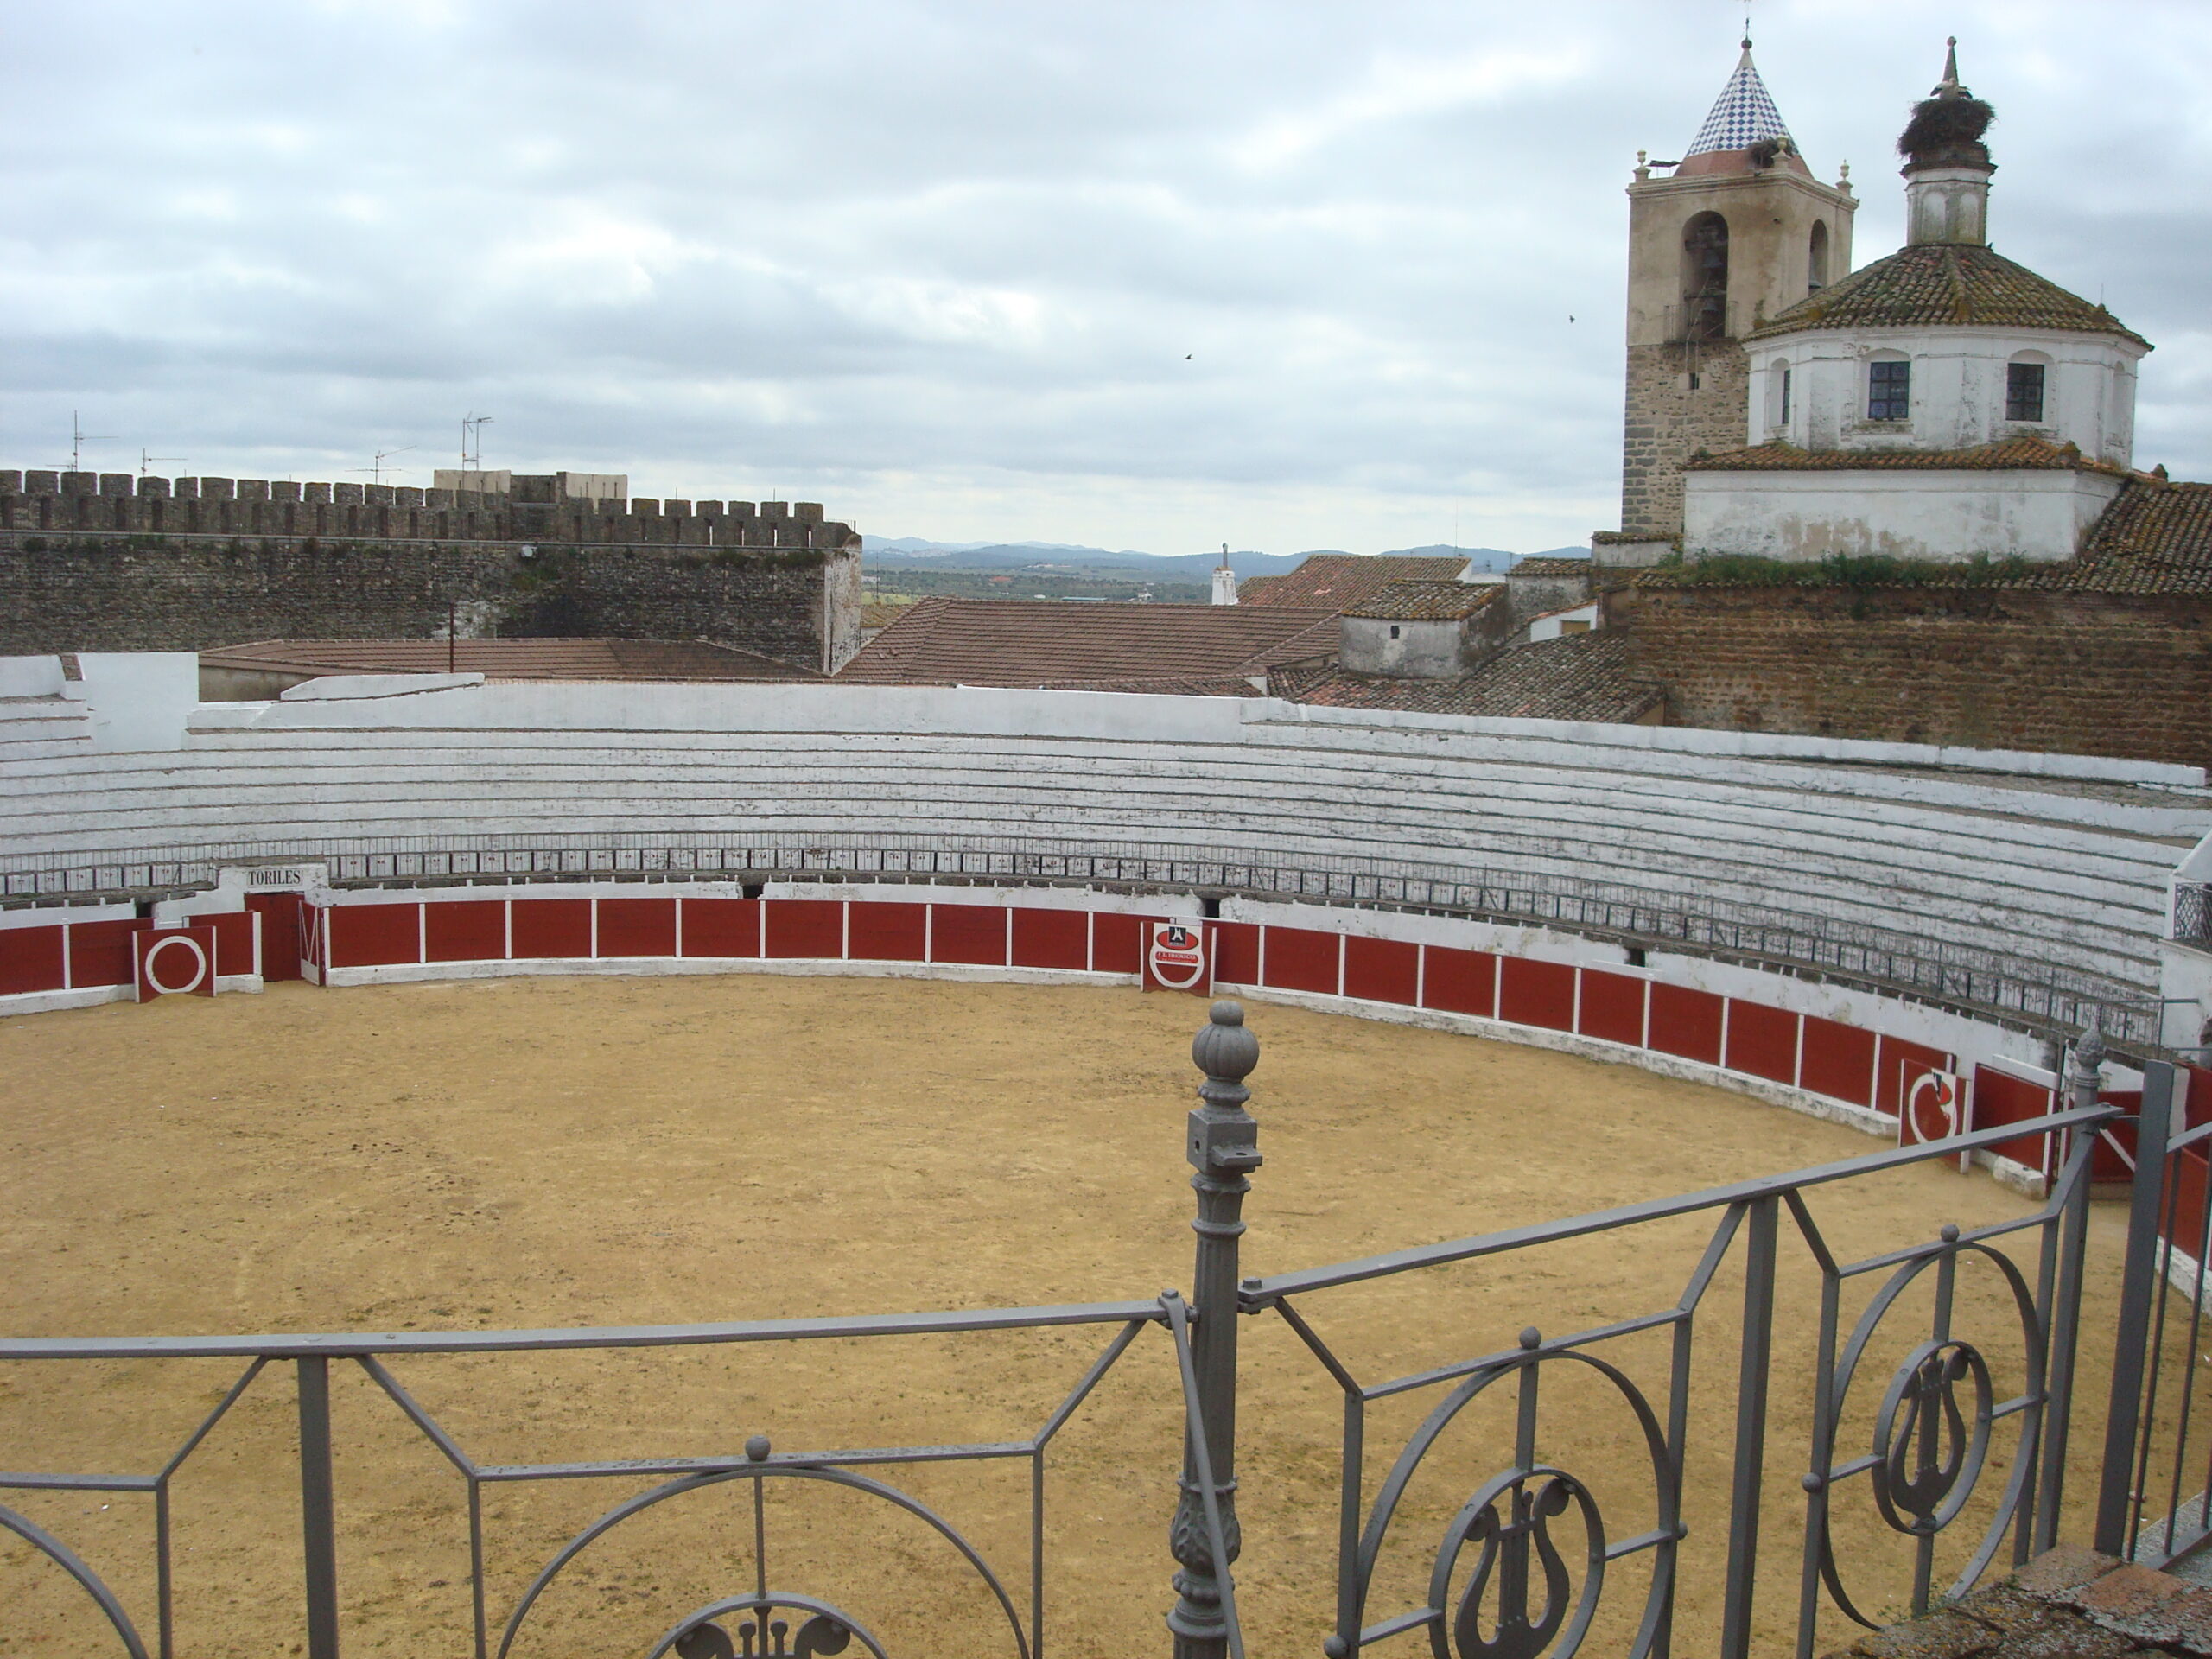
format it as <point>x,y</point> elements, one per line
<point>1499,1580</point>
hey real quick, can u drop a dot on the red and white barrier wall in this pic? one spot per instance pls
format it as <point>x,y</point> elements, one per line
<point>1839,1053</point>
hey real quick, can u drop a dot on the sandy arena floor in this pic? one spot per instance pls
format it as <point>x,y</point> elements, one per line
<point>555,1152</point>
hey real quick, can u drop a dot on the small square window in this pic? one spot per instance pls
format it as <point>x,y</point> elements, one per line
<point>1393,629</point>
<point>1888,392</point>
<point>2024,391</point>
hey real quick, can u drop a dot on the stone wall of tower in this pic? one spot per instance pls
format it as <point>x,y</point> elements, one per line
<point>1667,423</point>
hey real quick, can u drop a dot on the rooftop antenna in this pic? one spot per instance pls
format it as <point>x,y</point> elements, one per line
<point>378,469</point>
<point>146,461</point>
<point>472,442</point>
<point>79,438</point>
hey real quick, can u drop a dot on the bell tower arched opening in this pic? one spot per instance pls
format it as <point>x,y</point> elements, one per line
<point>1705,277</point>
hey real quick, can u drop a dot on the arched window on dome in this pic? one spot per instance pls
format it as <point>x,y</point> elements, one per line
<point>1889,386</point>
<point>2027,378</point>
<point>1705,277</point>
<point>1816,258</point>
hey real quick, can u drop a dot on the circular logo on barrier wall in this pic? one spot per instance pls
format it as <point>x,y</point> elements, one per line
<point>1178,956</point>
<point>1932,1105</point>
<point>193,947</point>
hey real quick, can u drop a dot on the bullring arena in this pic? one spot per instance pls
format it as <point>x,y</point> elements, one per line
<point>620,1054</point>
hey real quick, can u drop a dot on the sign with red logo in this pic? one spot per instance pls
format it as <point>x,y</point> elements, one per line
<point>175,962</point>
<point>1177,958</point>
<point>1935,1108</point>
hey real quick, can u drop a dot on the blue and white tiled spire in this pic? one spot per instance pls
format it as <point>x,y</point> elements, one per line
<point>1742,115</point>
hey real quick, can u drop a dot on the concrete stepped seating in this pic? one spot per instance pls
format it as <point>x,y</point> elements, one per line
<point>2062,864</point>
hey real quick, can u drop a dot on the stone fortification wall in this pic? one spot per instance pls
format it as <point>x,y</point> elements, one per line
<point>33,503</point>
<point>1667,422</point>
<point>2128,676</point>
<point>152,564</point>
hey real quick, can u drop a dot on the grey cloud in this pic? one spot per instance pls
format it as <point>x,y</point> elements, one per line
<point>945,261</point>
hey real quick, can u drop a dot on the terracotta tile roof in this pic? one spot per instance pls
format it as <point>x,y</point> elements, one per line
<point>1550,568</point>
<point>2156,537</point>
<point>1419,600</point>
<point>1337,581</point>
<point>1577,676</point>
<point>510,659</point>
<point>2007,454</point>
<point>1123,646</point>
<point>1939,283</point>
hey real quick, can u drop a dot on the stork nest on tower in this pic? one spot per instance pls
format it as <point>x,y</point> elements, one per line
<point>1946,129</point>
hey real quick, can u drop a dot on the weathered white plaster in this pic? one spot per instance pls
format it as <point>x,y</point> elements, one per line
<point>1948,514</point>
<point>1958,388</point>
<point>140,701</point>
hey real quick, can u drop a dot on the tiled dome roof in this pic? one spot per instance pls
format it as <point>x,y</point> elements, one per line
<point>1743,114</point>
<point>1938,284</point>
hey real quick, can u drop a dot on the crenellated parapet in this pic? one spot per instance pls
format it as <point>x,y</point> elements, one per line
<point>122,503</point>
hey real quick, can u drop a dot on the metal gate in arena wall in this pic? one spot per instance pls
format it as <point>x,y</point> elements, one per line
<point>1956,1453</point>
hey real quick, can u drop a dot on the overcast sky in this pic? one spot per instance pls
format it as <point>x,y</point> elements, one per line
<point>1286,273</point>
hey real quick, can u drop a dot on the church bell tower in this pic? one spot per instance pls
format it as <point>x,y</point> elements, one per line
<point>1741,232</point>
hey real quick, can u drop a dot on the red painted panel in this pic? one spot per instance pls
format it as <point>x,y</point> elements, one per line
<point>233,940</point>
<point>1237,952</point>
<point>888,932</point>
<point>175,961</point>
<point>1839,1061</point>
<point>373,935</point>
<point>1300,959</point>
<point>30,959</point>
<point>1686,1022</point>
<point>1051,938</point>
<point>99,952</point>
<point>805,927</point>
<point>1117,942</point>
<point>1531,992</point>
<point>464,930</point>
<point>722,927</point>
<point>637,927</point>
<point>1897,1065</point>
<point>970,933</point>
<point>1459,982</point>
<point>280,933</point>
<point>1613,1007</point>
<point>1381,971</point>
<point>2197,1101</point>
<point>2107,1161</point>
<point>2000,1099</point>
<point>1762,1041</point>
<point>2189,1177</point>
<point>550,927</point>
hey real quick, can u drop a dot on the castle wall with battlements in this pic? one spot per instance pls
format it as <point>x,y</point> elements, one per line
<point>113,562</point>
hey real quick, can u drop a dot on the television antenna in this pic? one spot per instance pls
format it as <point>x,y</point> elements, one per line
<point>146,461</point>
<point>79,438</point>
<point>472,442</point>
<point>377,469</point>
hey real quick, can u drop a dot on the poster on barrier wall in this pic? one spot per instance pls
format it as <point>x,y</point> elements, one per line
<point>1178,956</point>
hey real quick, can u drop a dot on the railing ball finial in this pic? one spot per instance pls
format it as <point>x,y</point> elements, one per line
<point>1532,1339</point>
<point>1224,1048</point>
<point>757,1448</point>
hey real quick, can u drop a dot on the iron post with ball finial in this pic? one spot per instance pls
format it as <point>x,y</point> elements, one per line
<point>1224,1146</point>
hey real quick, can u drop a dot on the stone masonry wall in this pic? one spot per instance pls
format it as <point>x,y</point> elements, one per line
<point>109,562</point>
<point>2127,675</point>
<point>118,503</point>
<point>1667,423</point>
<point>113,593</point>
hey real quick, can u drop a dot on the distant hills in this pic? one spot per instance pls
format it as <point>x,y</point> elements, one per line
<point>912,553</point>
